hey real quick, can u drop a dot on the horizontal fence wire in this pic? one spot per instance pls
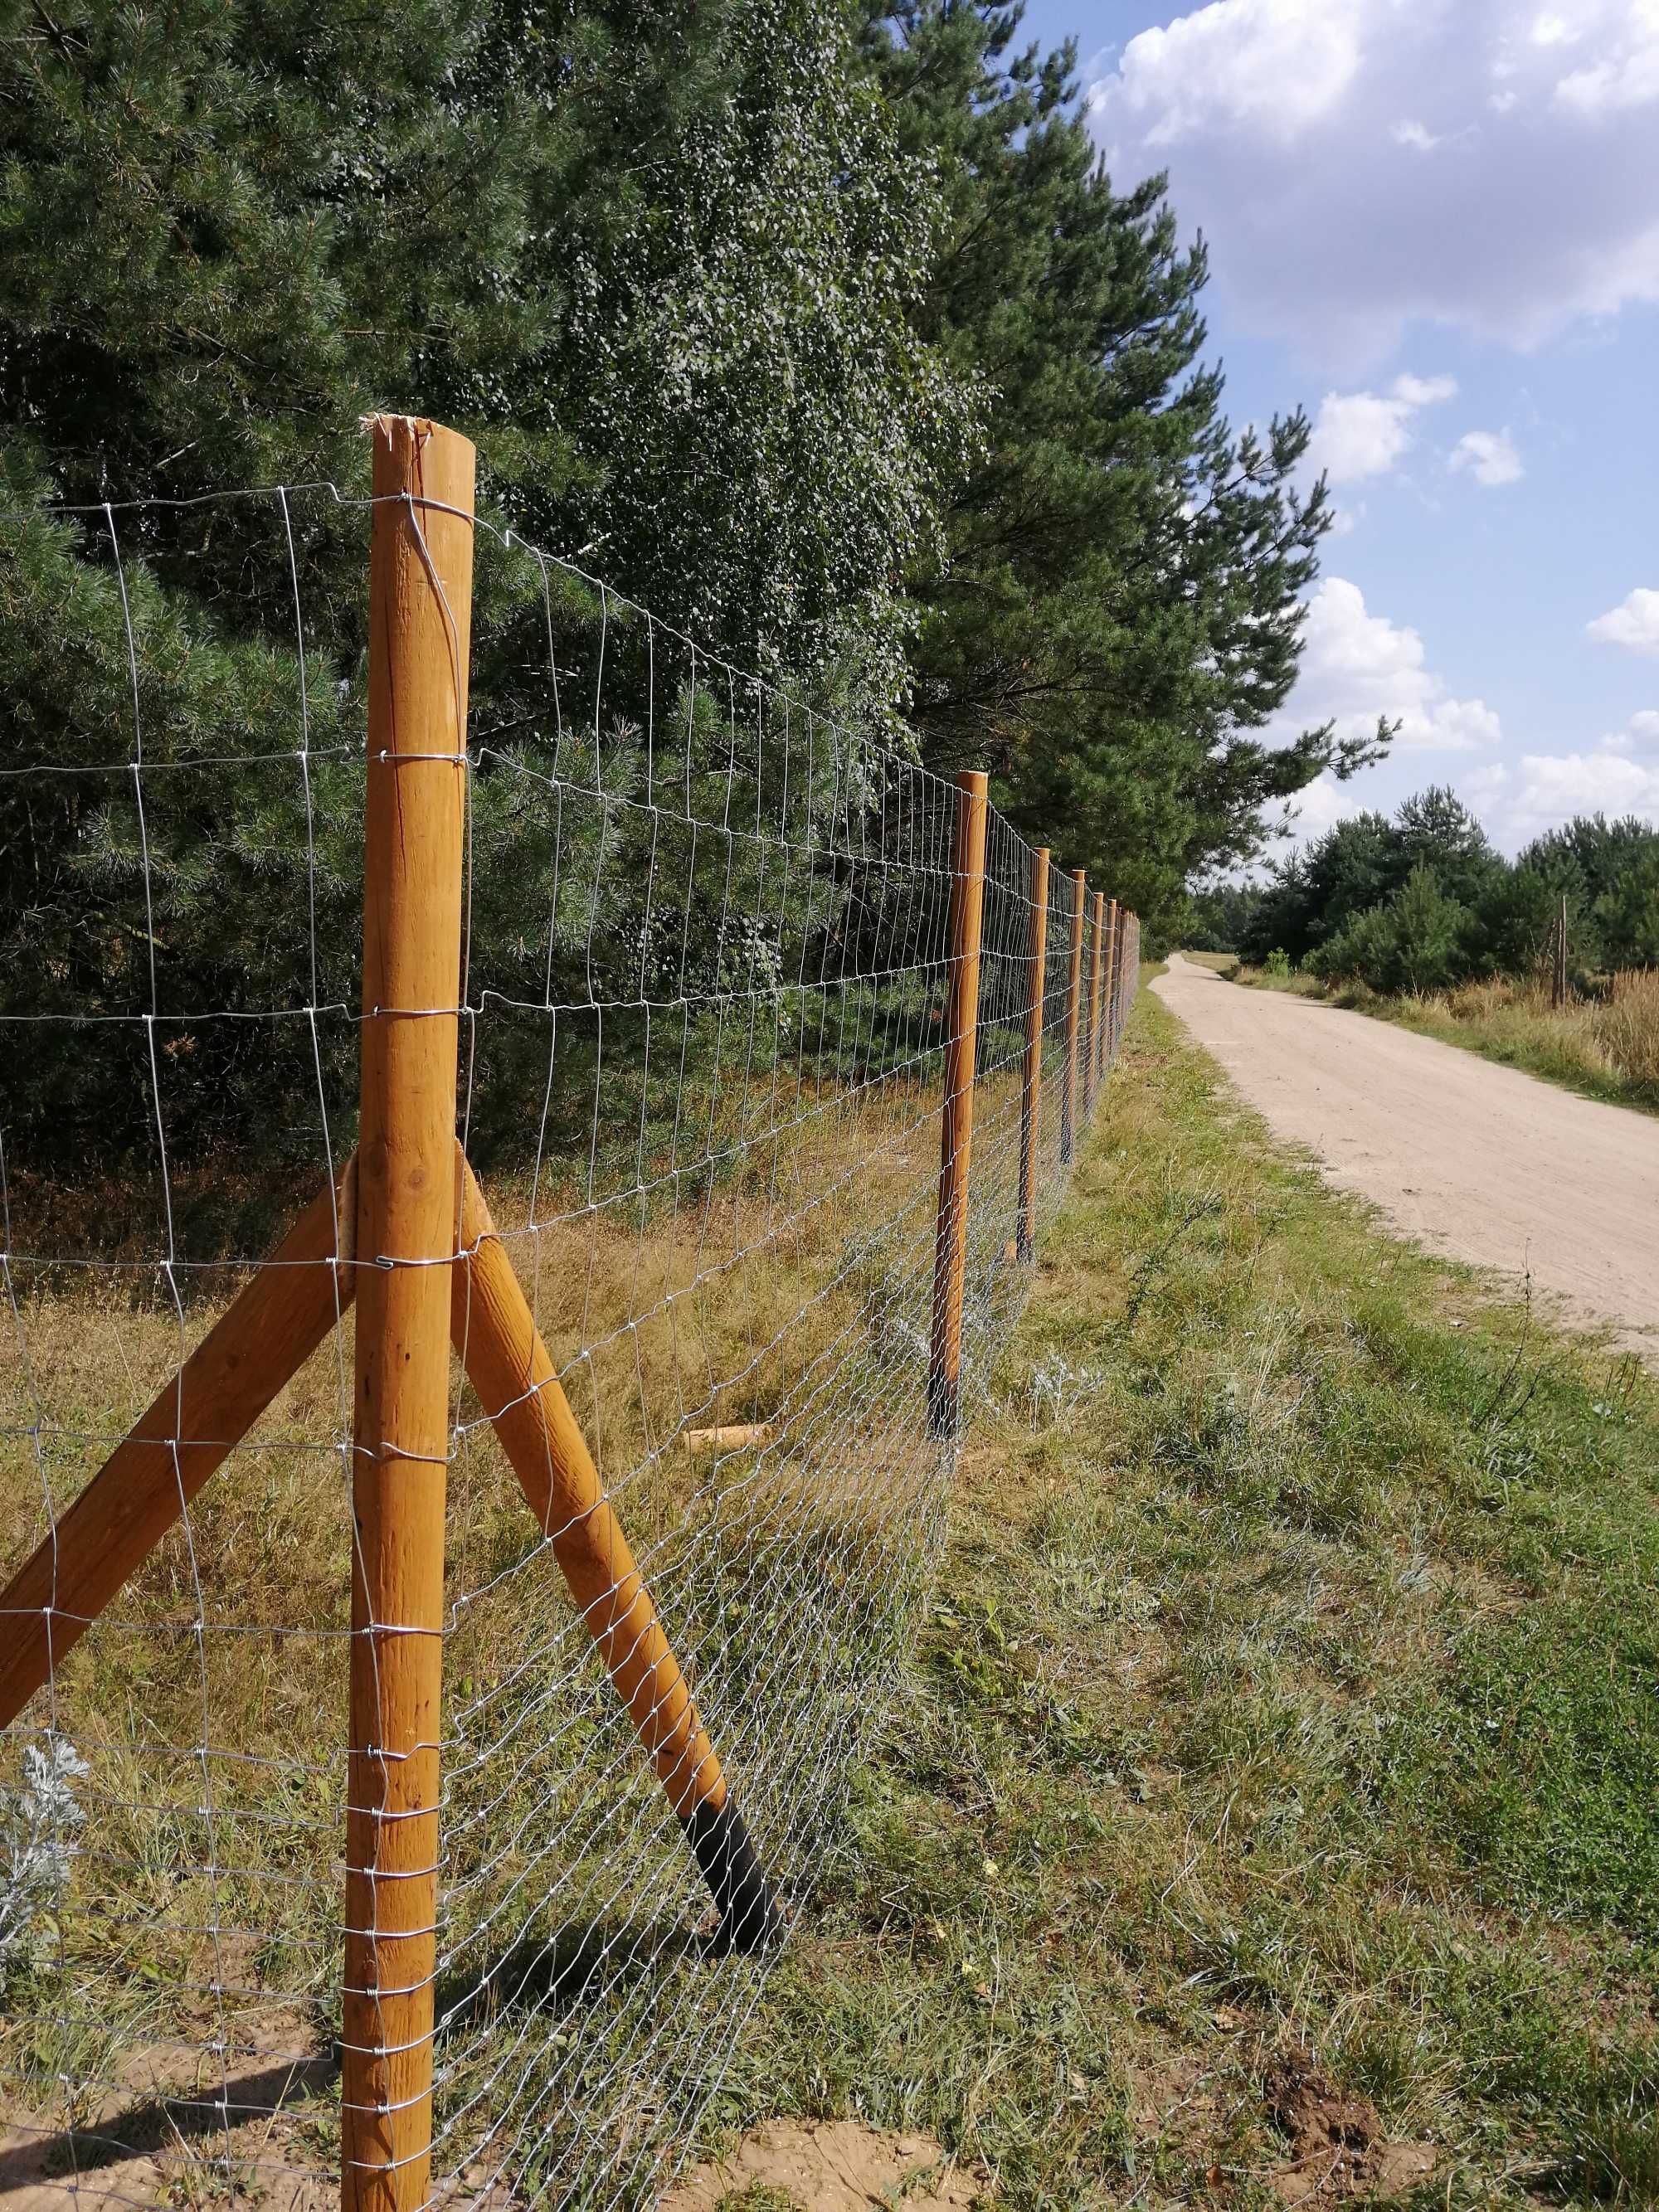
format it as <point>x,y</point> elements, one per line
<point>703,1014</point>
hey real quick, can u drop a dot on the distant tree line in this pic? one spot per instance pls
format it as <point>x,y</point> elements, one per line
<point>1424,900</point>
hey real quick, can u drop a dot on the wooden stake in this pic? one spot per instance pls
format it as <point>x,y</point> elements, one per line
<point>420,635</point>
<point>1030,1105</point>
<point>1073,1007</point>
<point>1107,1049</point>
<point>270,1329</point>
<point>519,1388</point>
<point>741,1435</point>
<point>956,1139</point>
<point>1128,972</point>
<point>1559,978</point>
<point>1096,964</point>
<point>1132,966</point>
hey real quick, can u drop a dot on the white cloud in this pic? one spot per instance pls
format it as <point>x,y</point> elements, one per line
<point>1624,74</point>
<point>1312,813</point>
<point>1324,804</point>
<point>1272,67</point>
<point>1552,788</point>
<point>1635,624</point>
<point>1357,666</point>
<point>1363,434</point>
<point>1618,776</point>
<point>1639,735</point>
<point>1490,457</point>
<point>1359,163</point>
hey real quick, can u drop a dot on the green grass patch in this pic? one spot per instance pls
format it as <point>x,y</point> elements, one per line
<point>1291,1687</point>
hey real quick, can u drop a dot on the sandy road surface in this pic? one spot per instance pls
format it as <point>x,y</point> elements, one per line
<point>1476,1161</point>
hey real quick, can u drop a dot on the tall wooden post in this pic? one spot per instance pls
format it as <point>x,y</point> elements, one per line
<point>1030,1105</point>
<point>420,628</point>
<point>1128,972</point>
<point>1074,1009</point>
<point>957,1140</point>
<point>1129,965</point>
<point>1097,970</point>
<point>1112,979</point>
<point>1107,1050</point>
<point>1558,977</point>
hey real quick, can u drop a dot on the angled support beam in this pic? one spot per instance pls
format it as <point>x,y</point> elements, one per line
<point>255,1347</point>
<point>270,1329</point>
<point>519,1388</point>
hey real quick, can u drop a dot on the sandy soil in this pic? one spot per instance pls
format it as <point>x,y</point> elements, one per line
<point>830,2166</point>
<point>1476,1161</point>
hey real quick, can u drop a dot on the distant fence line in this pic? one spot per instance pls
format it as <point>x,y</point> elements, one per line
<point>346,1836</point>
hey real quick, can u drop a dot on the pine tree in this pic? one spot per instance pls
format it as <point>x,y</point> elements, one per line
<point>658,260</point>
<point>1120,606</point>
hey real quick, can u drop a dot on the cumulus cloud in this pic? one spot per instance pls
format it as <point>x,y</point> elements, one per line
<point>1542,790</point>
<point>1635,624</point>
<point>1548,789</point>
<point>1639,735</point>
<point>1364,434</point>
<point>1357,666</point>
<point>1324,803</point>
<point>1489,456</point>
<point>1358,163</point>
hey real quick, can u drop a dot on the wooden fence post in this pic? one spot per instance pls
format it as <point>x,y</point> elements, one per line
<point>1128,972</point>
<point>1114,952</point>
<point>1097,1007</point>
<point>1559,977</point>
<point>1030,1108</point>
<point>956,1138</point>
<point>420,631</point>
<point>1073,1008</point>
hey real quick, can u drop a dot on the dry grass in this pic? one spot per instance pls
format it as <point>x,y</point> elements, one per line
<point>1607,1046</point>
<point>200,1941</point>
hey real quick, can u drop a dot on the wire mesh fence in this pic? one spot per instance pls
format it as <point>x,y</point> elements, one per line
<point>695,1076</point>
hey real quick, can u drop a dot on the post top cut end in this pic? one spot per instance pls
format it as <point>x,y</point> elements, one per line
<point>423,459</point>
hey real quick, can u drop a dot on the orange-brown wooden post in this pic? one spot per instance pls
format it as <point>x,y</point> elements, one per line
<point>1107,1048</point>
<point>1131,970</point>
<point>956,1138</point>
<point>1127,936</point>
<point>1073,1010</point>
<point>1030,1103</point>
<point>1097,969</point>
<point>420,631</point>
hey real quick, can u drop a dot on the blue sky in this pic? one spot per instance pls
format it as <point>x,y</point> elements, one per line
<point>1435,224</point>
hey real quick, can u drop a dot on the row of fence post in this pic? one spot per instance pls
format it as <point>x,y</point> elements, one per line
<point>395,1234</point>
<point>1094,1028</point>
<point>420,603</point>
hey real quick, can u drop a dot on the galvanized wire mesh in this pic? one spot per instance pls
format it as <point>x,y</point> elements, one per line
<point>703,1012</point>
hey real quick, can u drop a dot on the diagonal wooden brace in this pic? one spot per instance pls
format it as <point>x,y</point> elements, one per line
<point>519,1388</point>
<point>271,1328</point>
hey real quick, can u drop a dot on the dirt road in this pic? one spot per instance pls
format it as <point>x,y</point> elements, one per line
<point>1474,1160</point>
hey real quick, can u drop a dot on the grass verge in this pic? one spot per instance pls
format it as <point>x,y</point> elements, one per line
<point>1276,1772</point>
